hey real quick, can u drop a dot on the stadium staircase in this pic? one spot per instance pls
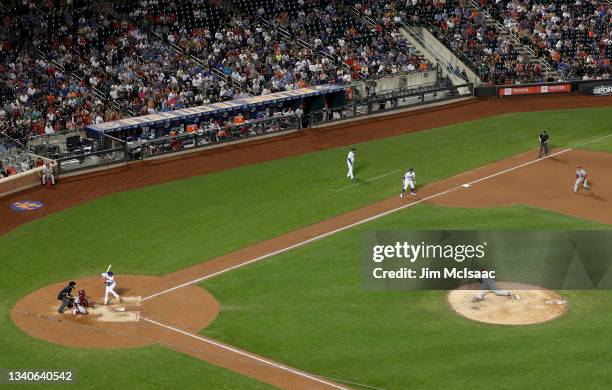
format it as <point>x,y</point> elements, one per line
<point>525,51</point>
<point>434,56</point>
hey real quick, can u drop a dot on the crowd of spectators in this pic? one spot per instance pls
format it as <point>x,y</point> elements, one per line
<point>39,93</point>
<point>100,63</point>
<point>68,63</point>
<point>361,51</point>
<point>575,36</point>
<point>463,27</point>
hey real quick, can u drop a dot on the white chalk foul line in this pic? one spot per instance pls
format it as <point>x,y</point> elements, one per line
<point>466,185</point>
<point>308,241</point>
<point>299,244</point>
<point>593,140</point>
<point>366,181</point>
<point>246,354</point>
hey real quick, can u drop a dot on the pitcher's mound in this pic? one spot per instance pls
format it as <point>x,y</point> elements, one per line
<point>532,304</point>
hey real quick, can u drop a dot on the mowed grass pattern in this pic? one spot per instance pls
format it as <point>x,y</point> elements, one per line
<point>308,308</point>
<point>163,228</point>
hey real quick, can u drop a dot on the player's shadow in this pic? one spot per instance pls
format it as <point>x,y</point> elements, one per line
<point>591,193</point>
<point>558,159</point>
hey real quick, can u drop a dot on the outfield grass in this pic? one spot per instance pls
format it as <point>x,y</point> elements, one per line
<point>604,145</point>
<point>308,308</point>
<point>166,227</point>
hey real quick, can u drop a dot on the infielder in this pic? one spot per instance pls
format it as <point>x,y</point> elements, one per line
<point>80,304</point>
<point>409,181</point>
<point>109,282</point>
<point>488,284</point>
<point>581,178</point>
<point>350,162</point>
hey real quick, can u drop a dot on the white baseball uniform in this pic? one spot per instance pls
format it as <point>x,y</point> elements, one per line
<point>409,179</point>
<point>581,178</point>
<point>109,282</point>
<point>350,162</point>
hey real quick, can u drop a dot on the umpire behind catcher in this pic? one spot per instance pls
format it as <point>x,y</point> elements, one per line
<point>66,297</point>
<point>543,137</point>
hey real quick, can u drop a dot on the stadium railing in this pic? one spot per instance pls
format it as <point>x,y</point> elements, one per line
<point>387,101</point>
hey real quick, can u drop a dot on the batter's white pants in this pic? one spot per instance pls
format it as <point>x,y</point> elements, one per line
<point>110,290</point>
<point>350,170</point>
<point>580,181</point>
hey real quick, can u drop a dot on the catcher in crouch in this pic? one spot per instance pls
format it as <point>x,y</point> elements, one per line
<point>80,304</point>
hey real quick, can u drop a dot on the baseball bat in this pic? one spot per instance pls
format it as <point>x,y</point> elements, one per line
<point>109,267</point>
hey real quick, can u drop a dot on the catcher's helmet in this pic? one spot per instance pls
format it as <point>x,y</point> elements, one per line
<point>82,293</point>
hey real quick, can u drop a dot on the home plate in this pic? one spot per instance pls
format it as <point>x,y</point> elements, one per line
<point>465,185</point>
<point>126,311</point>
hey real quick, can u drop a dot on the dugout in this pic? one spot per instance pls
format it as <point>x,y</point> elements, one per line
<point>164,124</point>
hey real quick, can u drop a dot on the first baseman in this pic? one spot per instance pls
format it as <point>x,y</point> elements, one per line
<point>350,162</point>
<point>110,284</point>
<point>409,181</point>
<point>581,178</point>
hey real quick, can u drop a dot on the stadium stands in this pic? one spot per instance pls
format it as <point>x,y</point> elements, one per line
<point>66,64</point>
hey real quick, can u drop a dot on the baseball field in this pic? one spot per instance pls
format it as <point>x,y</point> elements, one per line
<point>244,265</point>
